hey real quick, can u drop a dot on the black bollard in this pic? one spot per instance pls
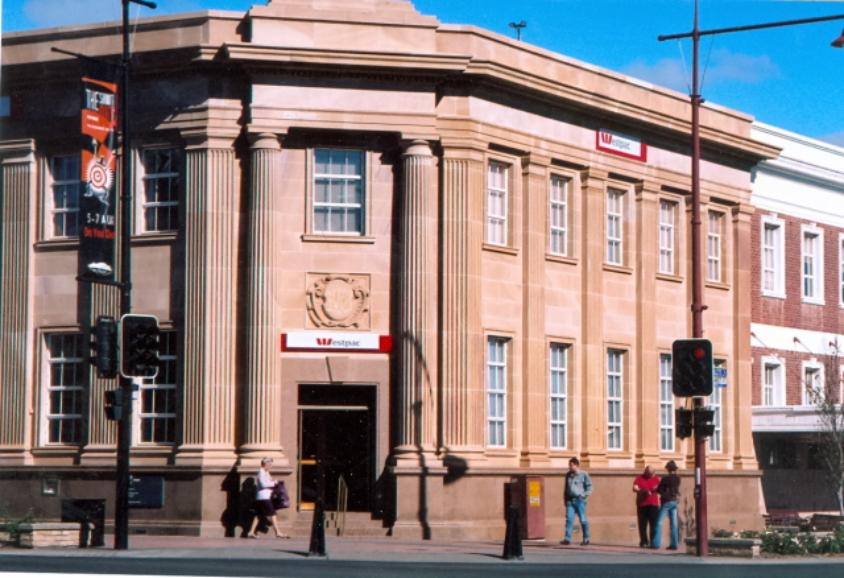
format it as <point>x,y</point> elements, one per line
<point>317,547</point>
<point>512,536</point>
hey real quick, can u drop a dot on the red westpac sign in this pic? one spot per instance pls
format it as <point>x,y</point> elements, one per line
<point>620,144</point>
<point>354,342</point>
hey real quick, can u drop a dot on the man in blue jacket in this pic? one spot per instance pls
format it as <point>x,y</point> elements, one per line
<point>577,491</point>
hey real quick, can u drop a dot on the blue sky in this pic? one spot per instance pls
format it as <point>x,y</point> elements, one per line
<point>788,77</point>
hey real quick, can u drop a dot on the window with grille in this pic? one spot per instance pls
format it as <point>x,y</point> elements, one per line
<point>812,259</point>
<point>497,203</point>
<point>773,259</point>
<point>666,405</point>
<point>558,379</point>
<point>161,189</point>
<point>64,198</point>
<point>558,212</point>
<point>615,399</point>
<point>158,406</point>
<point>773,390</point>
<point>496,392</point>
<point>667,218</point>
<point>339,192</point>
<point>715,403</point>
<point>65,387</point>
<point>615,227</point>
<point>714,246</point>
<point>813,384</point>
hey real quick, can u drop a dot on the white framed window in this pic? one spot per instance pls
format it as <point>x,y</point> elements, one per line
<point>339,192</point>
<point>773,257</point>
<point>65,386</point>
<point>773,382</point>
<point>558,216</point>
<point>814,388</point>
<point>841,269</point>
<point>63,201</point>
<point>157,410</point>
<point>666,404</point>
<point>714,246</point>
<point>812,264</point>
<point>615,226</point>
<point>615,399</point>
<point>496,391</point>
<point>558,382</point>
<point>161,189</point>
<point>716,405</point>
<point>497,203</point>
<point>667,236</point>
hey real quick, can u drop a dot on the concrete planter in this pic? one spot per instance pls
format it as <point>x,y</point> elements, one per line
<point>5,538</point>
<point>734,547</point>
<point>49,535</point>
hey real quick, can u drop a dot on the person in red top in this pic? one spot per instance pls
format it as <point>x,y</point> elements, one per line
<point>647,505</point>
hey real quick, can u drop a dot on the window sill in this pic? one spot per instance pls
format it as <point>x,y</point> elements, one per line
<point>669,277</point>
<point>500,452</point>
<point>807,301</point>
<point>163,238</point>
<point>352,239</point>
<point>57,244</point>
<point>57,450</point>
<point>560,259</point>
<point>618,269</point>
<point>718,285</point>
<point>770,295</point>
<point>500,249</point>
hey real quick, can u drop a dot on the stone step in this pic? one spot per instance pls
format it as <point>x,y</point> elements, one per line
<point>355,524</point>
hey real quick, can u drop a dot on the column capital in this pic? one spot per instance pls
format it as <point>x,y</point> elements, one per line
<point>647,190</point>
<point>417,148</point>
<point>265,140</point>
<point>592,176</point>
<point>17,151</point>
<point>199,138</point>
<point>535,160</point>
<point>743,212</point>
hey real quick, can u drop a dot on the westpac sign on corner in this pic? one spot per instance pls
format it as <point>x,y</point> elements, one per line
<point>622,145</point>
<point>336,341</point>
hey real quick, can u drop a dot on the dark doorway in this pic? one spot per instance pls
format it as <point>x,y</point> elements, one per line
<point>336,446</point>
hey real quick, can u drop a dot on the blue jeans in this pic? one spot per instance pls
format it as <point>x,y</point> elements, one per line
<point>576,506</point>
<point>669,509</point>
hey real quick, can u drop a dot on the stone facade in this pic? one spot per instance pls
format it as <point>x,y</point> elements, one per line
<point>355,177</point>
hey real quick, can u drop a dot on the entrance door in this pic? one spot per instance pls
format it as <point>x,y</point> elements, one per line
<point>335,441</point>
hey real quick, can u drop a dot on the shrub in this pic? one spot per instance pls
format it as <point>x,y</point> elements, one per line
<point>721,533</point>
<point>749,534</point>
<point>791,543</point>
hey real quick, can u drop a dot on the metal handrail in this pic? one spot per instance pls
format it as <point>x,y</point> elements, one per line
<point>342,504</point>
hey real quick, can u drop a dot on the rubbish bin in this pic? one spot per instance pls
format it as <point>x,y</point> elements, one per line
<point>91,516</point>
<point>528,494</point>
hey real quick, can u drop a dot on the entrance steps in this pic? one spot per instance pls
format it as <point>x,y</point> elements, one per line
<point>357,524</point>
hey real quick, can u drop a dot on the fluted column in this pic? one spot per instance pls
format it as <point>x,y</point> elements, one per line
<point>535,403</point>
<point>740,439</point>
<point>461,378</point>
<point>17,235</point>
<point>593,405</point>
<point>211,216</point>
<point>262,393</point>
<point>646,385</point>
<point>416,387</point>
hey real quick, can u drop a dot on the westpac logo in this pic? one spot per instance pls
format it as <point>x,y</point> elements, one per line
<point>331,342</point>
<point>606,138</point>
<point>324,341</point>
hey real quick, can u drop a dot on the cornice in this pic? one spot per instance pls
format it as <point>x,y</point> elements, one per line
<point>804,172</point>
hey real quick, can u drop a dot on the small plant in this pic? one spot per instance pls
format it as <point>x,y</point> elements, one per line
<point>749,534</point>
<point>722,533</point>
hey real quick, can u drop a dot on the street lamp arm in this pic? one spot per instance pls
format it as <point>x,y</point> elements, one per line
<point>778,24</point>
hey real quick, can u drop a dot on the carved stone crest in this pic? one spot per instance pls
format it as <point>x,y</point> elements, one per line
<point>338,301</point>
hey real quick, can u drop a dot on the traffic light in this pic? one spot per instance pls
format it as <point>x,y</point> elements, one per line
<point>139,345</point>
<point>114,404</point>
<point>104,347</point>
<point>683,418</point>
<point>691,373</point>
<point>704,422</point>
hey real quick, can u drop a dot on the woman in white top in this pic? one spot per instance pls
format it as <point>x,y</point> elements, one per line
<point>263,503</point>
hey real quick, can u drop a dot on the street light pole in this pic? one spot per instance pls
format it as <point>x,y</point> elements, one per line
<point>697,307</point>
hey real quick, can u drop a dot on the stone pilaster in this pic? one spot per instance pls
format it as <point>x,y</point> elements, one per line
<point>593,361</point>
<point>416,387</point>
<point>535,404</point>
<point>645,390</point>
<point>741,436</point>
<point>262,393</point>
<point>17,236</point>
<point>211,216</point>
<point>461,376</point>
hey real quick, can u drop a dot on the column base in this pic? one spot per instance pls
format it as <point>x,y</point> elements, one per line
<point>596,459</point>
<point>100,456</point>
<point>647,459</point>
<point>539,459</point>
<point>203,457</point>
<point>15,457</point>
<point>250,456</point>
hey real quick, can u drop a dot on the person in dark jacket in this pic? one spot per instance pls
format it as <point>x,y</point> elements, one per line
<point>578,488</point>
<point>669,493</point>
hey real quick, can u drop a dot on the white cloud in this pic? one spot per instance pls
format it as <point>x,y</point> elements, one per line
<point>836,138</point>
<point>719,67</point>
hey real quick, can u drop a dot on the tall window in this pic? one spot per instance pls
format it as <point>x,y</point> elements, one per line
<point>615,227</point>
<point>812,257</point>
<point>65,389</point>
<point>64,203</point>
<point>773,259</point>
<point>841,269</point>
<point>666,405</point>
<point>496,390</point>
<point>667,217</point>
<point>714,246</point>
<point>160,202</point>
<point>338,192</point>
<point>157,412</point>
<point>716,405</point>
<point>615,399</point>
<point>497,203</point>
<point>558,213</point>
<point>773,382</point>
<point>559,393</point>
<point>813,384</point>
